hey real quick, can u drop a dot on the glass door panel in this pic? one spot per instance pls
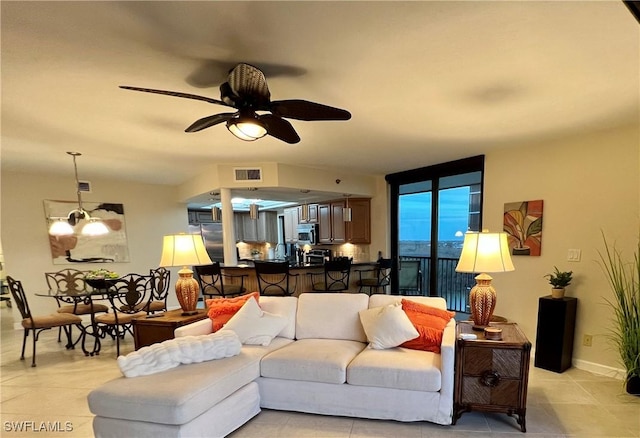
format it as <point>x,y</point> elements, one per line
<point>414,237</point>
<point>458,212</point>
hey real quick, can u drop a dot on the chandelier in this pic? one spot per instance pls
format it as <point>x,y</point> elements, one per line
<point>64,226</point>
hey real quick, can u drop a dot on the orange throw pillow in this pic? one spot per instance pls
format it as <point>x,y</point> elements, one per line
<point>220,310</point>
<point>430,323</point>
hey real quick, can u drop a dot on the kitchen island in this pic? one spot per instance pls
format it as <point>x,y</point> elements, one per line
<point>302,269</point>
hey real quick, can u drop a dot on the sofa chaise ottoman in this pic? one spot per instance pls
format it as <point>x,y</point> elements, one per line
<point>319,363</point>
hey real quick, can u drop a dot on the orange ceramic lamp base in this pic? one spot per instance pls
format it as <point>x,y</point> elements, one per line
<point>187,291</point>
<point>483,301</point>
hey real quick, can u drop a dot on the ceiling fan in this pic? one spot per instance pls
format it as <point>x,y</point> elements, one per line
<point>246,90</point>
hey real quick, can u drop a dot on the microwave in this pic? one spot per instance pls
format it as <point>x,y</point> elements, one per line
<point>307,234</point>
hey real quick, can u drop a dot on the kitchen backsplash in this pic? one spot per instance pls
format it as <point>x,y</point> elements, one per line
<point>359,253</point>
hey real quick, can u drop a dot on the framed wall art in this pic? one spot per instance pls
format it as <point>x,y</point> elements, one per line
<point>523,225</point>
<point>77,248</point>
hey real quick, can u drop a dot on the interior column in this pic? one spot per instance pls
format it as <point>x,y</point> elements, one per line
<point>228,229</point>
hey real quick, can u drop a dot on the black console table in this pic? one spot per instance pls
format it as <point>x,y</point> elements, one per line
<point>554,339</point>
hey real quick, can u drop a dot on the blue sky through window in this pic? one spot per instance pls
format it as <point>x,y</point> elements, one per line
<point>415,215</point>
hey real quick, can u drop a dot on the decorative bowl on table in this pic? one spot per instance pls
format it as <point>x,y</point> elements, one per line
<point>101,279</point>
<point>100,283</point>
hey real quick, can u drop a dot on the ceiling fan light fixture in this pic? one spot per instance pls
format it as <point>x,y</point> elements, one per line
<point>247,127</point>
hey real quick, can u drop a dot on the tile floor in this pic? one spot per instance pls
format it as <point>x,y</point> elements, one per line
<point>572,404</point>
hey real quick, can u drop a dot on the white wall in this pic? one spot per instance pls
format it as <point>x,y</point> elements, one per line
<point>589,184</point>
<point>150,212</point>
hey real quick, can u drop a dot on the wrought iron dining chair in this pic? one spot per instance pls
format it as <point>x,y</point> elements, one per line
<point>129,297</point>
<point>215,283</point>
<point>374,279</point>
<point>410,277</point>
<point>68,281</point>
<point>274,278</point>
<point>334,278</point>
<point>37,324</point>
<point>160,283</point>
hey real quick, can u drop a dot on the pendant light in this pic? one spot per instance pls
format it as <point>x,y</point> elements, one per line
<point>216,214</point>
<point>346,210</point>
<point>254,211</point>
<point>62,227</point>
<point>304,213</point>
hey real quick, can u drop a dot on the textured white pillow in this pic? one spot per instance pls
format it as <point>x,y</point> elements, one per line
<point>254,326</point>
<point>387,326</point>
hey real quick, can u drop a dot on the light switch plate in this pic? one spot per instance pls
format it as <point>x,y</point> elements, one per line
<point>574,255</point>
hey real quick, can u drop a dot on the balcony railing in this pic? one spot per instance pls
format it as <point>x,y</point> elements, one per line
<point>452,286</point>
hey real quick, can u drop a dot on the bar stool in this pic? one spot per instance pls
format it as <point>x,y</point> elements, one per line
<point>335,277</point>
<point>381,277</point>
<point>274,278</point>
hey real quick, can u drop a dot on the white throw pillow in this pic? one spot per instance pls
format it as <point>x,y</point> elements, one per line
<point>387,326</point>
<point>254,326</point>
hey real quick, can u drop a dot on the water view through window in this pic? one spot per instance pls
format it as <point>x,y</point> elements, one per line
<point>436,254</point>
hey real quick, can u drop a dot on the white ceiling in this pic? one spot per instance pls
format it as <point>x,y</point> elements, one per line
<point>426,82</point>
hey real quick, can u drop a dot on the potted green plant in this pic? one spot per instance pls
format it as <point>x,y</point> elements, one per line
<point>624,279</point>
<point>559,280</point>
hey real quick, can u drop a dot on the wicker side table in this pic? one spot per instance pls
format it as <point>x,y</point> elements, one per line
<point>492,376</point>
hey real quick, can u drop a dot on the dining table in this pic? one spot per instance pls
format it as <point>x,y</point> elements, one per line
<point>84,296</point>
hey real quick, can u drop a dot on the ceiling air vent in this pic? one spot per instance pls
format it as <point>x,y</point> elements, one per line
<point>84,186</point>
<point>247,174</point>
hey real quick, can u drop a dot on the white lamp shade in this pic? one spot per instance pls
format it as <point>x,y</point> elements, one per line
<point>485,252</point>
<point>95,227</point>
<point>184,250</point>
<point>60,227</point>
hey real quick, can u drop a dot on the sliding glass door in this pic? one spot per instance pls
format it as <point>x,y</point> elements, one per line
<point>431,209</point>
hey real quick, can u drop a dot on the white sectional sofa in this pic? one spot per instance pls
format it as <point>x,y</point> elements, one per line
<point>319,363</point>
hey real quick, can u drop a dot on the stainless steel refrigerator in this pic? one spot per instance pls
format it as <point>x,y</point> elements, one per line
<point>212,237</point>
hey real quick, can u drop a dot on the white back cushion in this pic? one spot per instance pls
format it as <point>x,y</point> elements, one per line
<point>378,300</point>
<point>330,316</point>
<point>282,306</point>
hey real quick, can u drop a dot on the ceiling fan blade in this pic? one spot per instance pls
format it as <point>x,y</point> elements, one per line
<point>175,94</point>
<point>280,128</point>
<point>209,121</point>
<point>249,83</point>
<point>305,110</point>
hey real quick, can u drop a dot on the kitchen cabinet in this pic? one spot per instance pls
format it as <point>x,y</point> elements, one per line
<point>263,229</point>
<point>312,214</point>
<point>359,229</point>
<point>238,226</point>
<point>200,217</point>
<point>291,225</point>
<point>331,228</point>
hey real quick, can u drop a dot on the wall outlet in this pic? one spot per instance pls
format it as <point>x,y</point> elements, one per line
<point>587,340</point>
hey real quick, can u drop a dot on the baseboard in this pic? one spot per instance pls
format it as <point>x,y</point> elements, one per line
<point>596,368</point>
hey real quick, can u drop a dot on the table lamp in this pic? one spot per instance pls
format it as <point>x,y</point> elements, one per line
<point>185,250</point>
<point>484,252</point>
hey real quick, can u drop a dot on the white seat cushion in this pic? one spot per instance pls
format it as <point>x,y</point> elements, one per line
<point>314,360</point>
<point>398,368</point>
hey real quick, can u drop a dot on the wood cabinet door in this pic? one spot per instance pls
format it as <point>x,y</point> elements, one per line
<point>249,228</point>
<point>238,227</point>
<point>313,213</point>
<point>337,223</point>
<point>324,223</point>
<point>291,225</point>
<point>359,229</point>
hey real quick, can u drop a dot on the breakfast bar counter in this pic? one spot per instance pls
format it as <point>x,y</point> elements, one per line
<point>302,269</point>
